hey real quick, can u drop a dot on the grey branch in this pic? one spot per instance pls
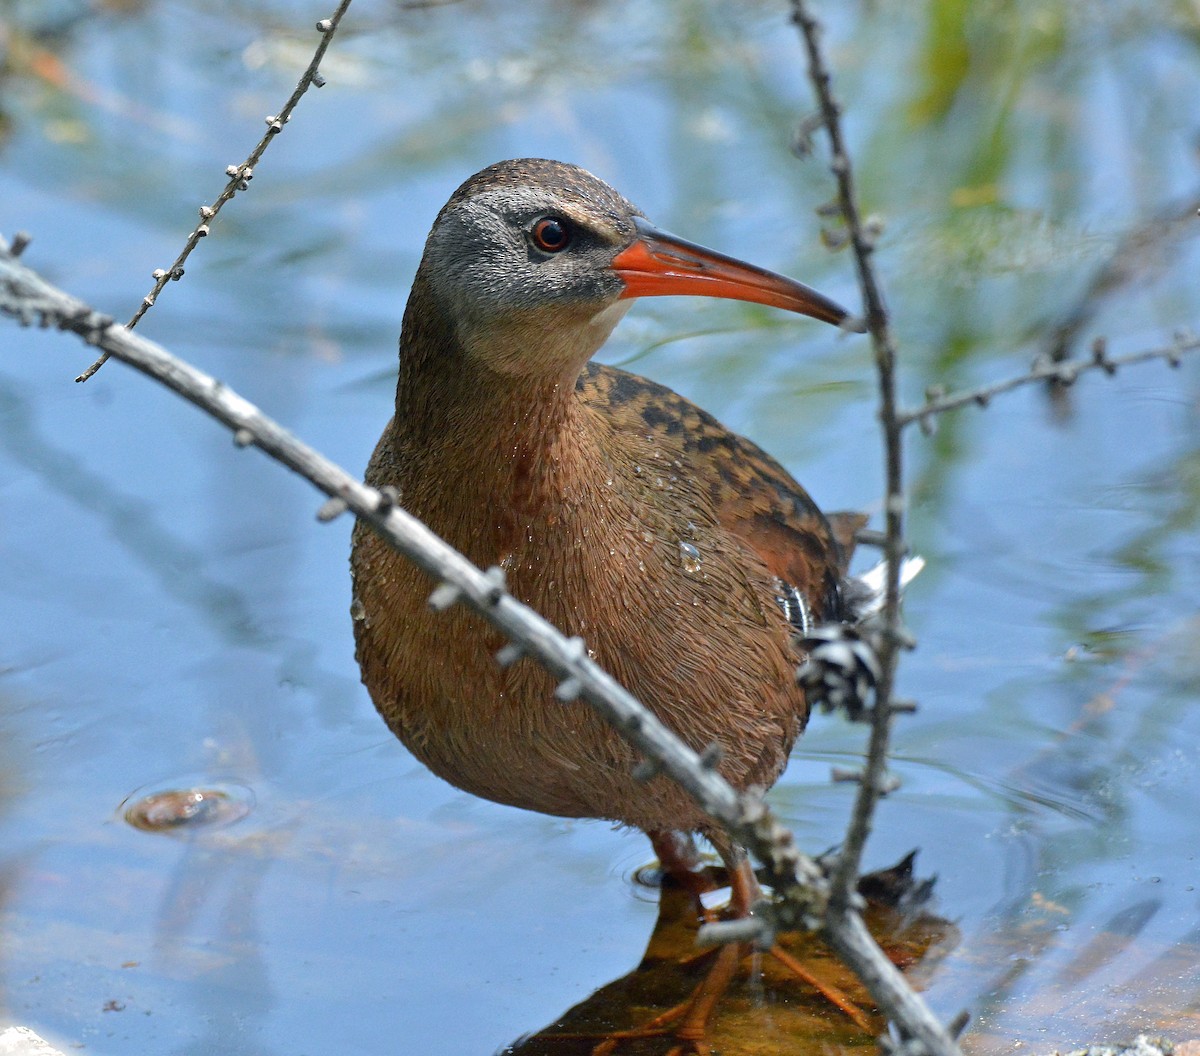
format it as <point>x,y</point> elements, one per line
<point>800,886</point>
<point>862,244</point>
<point>1044,369</point>
<point>239,178</point>
<point>843,925</point>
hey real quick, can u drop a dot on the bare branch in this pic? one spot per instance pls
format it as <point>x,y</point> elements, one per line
<point>843,924</point>
<point>853,943</point>
<point>862,244</point>
<point>239,178</point>
<point>1063,372</point>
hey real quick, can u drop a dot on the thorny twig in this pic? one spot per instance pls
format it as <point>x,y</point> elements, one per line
<point>239,177</point>
<point>904,1007</point>
<point>1062,372</point>
<point>873,782</point>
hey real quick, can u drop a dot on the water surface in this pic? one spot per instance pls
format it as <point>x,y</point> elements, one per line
<point>174,617</point>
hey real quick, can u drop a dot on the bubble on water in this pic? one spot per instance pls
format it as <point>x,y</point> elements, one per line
<point>177,809</point>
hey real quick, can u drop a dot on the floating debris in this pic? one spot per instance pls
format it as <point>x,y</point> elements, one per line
<point>174,809</point>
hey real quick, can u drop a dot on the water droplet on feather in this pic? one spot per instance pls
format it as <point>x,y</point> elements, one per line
<point>690,557</point>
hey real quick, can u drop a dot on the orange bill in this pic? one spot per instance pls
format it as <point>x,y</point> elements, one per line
<point>659,264</point>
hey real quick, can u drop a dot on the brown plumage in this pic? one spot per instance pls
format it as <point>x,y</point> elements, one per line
<point>619,510</point>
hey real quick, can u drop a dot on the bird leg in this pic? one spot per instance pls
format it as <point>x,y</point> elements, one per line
<point>743,884</point>
<point>827,990</point>
<point>679,860</point>
<point>744,893</point>
<point>687,1026</point>
<point>691,1016</point>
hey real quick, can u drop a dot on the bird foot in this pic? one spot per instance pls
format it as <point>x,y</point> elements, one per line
<point>658,1027</point>
<point>833,994</point>
<point>685,1024</point>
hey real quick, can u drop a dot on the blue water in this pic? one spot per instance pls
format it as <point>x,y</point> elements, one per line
<point>174,615</point>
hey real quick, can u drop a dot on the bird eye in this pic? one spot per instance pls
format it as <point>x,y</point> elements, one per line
<point>550,234</point>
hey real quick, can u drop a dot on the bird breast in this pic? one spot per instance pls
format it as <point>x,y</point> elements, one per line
<point>612,539</point>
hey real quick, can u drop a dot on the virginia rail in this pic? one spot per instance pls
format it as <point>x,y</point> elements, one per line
<point>686,557</point>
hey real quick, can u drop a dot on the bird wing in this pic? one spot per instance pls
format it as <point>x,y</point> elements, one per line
<point>756,500</point>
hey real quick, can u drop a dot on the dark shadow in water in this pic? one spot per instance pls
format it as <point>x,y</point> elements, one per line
<point>767,1009</point>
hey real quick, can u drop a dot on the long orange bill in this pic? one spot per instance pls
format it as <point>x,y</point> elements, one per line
<point>659,264</point>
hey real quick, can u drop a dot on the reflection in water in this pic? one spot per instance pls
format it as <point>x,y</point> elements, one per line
<point>208,930</point>
<point>801,1001</point>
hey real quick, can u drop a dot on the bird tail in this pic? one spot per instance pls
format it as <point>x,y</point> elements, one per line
<point>863,595</point>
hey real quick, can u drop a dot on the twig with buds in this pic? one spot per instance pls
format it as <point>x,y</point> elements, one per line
<point>239,178</point>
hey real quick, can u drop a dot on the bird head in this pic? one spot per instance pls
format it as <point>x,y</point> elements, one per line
<point>534,262</point>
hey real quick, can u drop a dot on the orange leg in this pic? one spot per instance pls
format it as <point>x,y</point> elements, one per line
<point>744,889</point>
<point>745,892</point>
<point>690,1017</point>
<point>689,1021</point>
